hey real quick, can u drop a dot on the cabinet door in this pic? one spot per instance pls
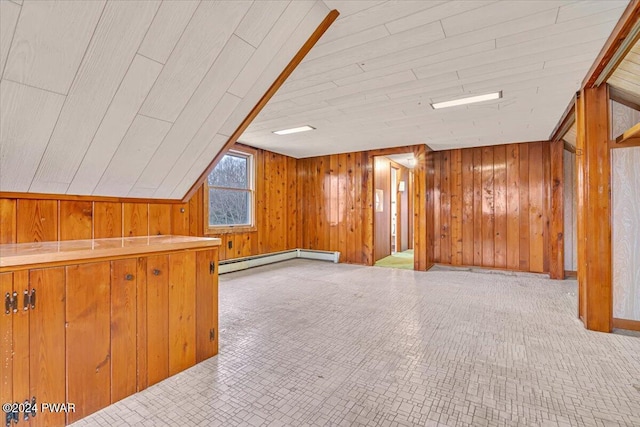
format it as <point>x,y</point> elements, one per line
<point>46,354</point>
<point>182,311</point>
<point>206,304</point>
<point>88,297</point>
<point>157,318</point>
<point>6,344</point>
<point>123,328</point>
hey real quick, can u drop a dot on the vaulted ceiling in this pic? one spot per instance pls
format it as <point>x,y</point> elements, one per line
<point>369,81</point>
<point>134,98</point>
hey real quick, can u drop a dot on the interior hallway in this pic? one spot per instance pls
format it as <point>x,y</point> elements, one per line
<point>314,343</point>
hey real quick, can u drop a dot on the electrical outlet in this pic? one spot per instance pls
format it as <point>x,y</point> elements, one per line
<point>230,244</point>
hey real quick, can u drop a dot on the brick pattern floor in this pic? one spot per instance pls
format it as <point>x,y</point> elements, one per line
<point>309,343</point>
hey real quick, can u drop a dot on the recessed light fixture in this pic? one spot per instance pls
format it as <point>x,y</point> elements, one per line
<point>293,130</point>
<point>468,100</point>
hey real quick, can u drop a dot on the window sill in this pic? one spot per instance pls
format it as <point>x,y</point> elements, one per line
<point>230,229</point>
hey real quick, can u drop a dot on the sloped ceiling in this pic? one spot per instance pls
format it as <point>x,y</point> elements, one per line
<point>369,81</point>
<point>626,78</point>
<point>134,98</point>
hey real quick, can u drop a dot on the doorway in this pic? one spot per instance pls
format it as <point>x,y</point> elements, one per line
<point>393,216</point>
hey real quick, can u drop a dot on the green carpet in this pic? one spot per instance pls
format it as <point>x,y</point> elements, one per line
<point>398,260</point>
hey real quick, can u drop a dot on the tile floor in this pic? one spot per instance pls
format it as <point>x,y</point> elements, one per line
<point>309,343</point>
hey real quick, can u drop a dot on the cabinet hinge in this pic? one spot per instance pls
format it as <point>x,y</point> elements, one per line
<point>29,301</point>
<point>212,267</point>
<point>10,303</point>
<point>212,334</point>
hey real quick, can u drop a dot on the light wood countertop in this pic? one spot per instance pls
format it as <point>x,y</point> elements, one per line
<point>20,254</point>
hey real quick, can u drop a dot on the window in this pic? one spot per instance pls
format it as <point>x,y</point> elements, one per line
<point>229,194</point>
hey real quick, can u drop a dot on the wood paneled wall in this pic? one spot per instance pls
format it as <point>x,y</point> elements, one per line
<point>382,216</point>
<point>492,206</point>
<point>336,205</point>
<point>32,220</point>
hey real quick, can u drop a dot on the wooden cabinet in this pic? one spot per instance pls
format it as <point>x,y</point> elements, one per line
<point>93,332</point>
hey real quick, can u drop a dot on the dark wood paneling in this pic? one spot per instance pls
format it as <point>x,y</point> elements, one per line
<point>157,319</point>
<point>8,221</point>
<point>76,220</point>
<point>22,345</point>
<point>382,219</point>
<point>88,337</point>
<point>556,227</point>
<point>6,343</point>
<point>124,279</point>
<point>182,311</point>
<point>206,305</point>
<point>107,220</point>
<point>492,209</point>
<point>47,343</point>
<point>37,220</point>
<point>594,209</point>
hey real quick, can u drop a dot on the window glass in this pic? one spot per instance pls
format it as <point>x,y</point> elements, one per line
<point>230,191</point>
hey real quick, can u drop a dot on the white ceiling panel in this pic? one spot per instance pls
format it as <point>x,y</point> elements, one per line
<point>9,13</point>
<point>203,40</point>
<point>123,98</point>
<point>535,52</point>
<point>233,57</point>
<point>140,142</point>
<point>112,48</point>
<point>50,41</point>
<point>259,20</point>
<point>167,28</point>
<point>28,116</point>
<point>123,109</point>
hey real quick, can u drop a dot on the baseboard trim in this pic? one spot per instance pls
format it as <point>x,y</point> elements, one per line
<point>237,264</point>
<point>631,325</point>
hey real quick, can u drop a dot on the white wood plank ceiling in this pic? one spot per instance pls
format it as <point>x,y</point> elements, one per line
<point>134,98</point>
<point>370,80</point>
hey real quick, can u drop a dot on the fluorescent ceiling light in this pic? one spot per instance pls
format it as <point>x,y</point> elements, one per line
<point>293,130</point>
<point>468,100</point>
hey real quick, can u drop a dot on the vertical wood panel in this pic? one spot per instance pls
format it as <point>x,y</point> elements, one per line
<point>123,328</point>
<point>21,343</point>
<point>6,343</point>
<point>445,208</point>
<point>196,216</point>
<point>180,219</point>
<point>206,305</point>
<point>556,220</point>
<point>524,208</point>
<point>546,162</point>
<point>513,207</point>
<point>292,203</point>
<point>76,220</point>
<point>437,171</point>
<point>367,190</point>
<point>594,209</point>
<point>37,220</point>
<point>477,206</point>
<point>159,219</point>
<point>424,197</point>
<point>500,205</point>
<point>107,220</point>
<point>142,359</point>
<point>182,309</point>
<point>157,318</point>
<point>467,207</point>
<point>88,337</point>
<point>350,240</point>
<point>456,207</point>
<point>536,208</point>
<point>8,221</point>
<point>47,342</point>
<point>488,214</point>
<point>342,205</point>
<point>135,217</point>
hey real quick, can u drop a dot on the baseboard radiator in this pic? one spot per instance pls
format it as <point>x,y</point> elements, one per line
<point>238,264</point>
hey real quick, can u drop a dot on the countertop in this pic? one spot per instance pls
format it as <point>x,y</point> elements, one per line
<point>20,254</point>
